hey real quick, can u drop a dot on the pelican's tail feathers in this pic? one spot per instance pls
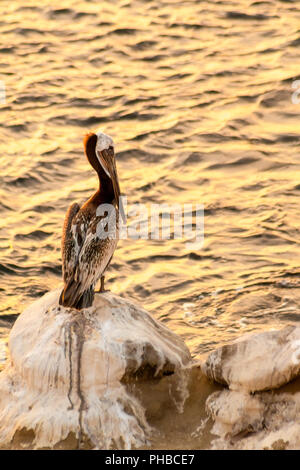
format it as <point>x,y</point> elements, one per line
<point>72,297</point>
<point>86,300</point>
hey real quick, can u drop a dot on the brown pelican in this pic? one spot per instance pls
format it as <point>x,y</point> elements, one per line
<point>90,233</point>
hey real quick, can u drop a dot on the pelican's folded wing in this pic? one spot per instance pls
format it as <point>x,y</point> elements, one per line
<point>99,245</point>
<point>69,245</point>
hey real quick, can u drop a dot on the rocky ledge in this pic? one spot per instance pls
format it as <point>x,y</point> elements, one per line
<point>260,409</point>
<point>113,377</point>
<point>66,374</point>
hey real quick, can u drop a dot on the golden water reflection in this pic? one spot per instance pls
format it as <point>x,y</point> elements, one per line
<point>197,96</point>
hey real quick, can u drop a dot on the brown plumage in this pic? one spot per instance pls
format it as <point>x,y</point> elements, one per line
<point>90,233</point>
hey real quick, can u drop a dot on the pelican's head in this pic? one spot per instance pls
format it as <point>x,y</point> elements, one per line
<point>100,152</point>
<point>105,153</point>
<point>104,141</point>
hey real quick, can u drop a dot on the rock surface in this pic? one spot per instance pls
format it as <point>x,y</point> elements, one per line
<point>260,363</point>
<point>112,377</point>
<point>255,422</point>
<point>66,374</point>
<point>263,361</point>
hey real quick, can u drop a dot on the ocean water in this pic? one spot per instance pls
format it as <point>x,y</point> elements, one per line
<point>199,98</point>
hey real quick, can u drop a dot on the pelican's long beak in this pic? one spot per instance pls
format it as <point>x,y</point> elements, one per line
<point>108,162</point>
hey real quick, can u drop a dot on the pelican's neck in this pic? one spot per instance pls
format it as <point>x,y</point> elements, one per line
<point>105,190</point>
<point>104,195</point>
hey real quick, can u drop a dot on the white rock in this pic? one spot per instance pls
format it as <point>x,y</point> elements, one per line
<point>262,361</point>
<point>234,412</point>
<point>256,363</point>
<point>263,421</point>
<point>66,372</point>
